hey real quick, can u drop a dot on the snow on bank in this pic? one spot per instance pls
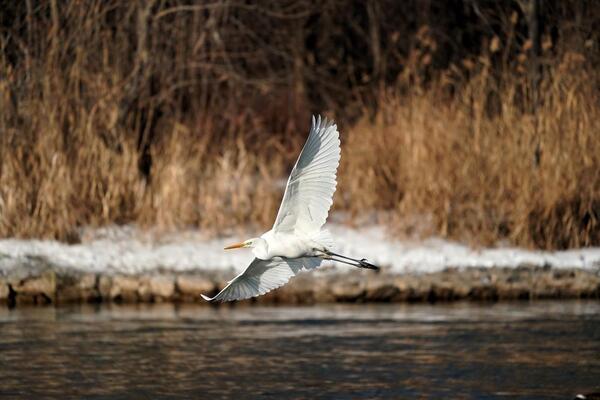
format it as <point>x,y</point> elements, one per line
<point>127,251</point>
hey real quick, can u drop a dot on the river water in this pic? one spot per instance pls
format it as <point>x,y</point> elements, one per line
<point>506,350</point>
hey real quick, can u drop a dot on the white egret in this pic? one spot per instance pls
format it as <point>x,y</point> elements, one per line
<point>297,240</point>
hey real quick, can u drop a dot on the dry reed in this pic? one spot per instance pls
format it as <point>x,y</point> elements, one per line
<point>485,176</point>
<point>176,115</point>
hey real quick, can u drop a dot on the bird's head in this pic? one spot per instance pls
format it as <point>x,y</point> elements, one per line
<point>250,243</point>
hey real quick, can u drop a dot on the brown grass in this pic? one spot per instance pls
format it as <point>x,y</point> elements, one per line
<point>172,116</point>
<point>485,175</point>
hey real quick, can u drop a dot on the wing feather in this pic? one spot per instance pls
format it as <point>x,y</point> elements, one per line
<point>309,192</point>
<point>262,276</point>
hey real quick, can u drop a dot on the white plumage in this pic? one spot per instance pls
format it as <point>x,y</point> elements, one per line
<point>297,240</point>
<point>262,276</point>
<point>311,185</point>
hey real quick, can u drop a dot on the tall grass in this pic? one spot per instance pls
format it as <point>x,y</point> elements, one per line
<point>170,114</point>
<point>485,173</point>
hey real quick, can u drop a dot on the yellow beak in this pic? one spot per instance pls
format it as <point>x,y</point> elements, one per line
<point>235,246</point>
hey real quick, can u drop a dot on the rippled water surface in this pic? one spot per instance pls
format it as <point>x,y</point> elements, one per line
<point>527,350</point>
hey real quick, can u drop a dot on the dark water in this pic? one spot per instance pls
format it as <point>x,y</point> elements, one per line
<point>525,350</point>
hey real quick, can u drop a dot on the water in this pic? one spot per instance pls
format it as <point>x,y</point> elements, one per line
<point>522,350</point>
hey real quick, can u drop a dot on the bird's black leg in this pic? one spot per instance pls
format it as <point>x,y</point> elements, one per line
<point>362,263</point>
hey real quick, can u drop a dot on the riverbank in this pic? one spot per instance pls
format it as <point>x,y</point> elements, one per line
<point>48,286</point>
<point>127,265</point>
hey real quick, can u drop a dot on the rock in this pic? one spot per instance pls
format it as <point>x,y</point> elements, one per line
<point>274,297</point>
<point>74,289</point>
<point>104,287</point>
<point>322,297</point>
<point>461,290</point>
<point>40,289</point>
<point>41,286</point>
<point>191,286</point>
<point>381,289</point>
<point>300,290</point>
<point>144,291</point>
<point>44,284</point>
<point>440,291</point>
<point>513,291</point>
<point>417,294</point>
<point>348,288</point>
<point>402,287</point>
<point>28,299</point>
<point>87,282</point>
<point>124,288</point>
<point>162,287</point>
<point>4,291</point>
<point>484,292</point>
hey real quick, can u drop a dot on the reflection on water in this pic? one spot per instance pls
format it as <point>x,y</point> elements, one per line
<point>528,350</point>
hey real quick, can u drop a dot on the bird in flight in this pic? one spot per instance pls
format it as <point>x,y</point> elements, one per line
<point>297,240</point>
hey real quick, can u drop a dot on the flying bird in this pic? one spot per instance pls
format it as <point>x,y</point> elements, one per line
<point>297,240</point>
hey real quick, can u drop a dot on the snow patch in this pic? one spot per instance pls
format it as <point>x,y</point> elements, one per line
<point>129,251</point>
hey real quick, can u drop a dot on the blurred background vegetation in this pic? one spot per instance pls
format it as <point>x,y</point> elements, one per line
<point>474,120</point>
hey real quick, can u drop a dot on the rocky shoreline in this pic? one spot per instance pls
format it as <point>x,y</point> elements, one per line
<point>50,286</point>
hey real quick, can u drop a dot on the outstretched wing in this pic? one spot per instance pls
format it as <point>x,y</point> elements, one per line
<point>310,187</point>
<point>262,276</point>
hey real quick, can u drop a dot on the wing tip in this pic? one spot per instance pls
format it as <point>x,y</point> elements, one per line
<point>319,123</point>
<point>209,299</point>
